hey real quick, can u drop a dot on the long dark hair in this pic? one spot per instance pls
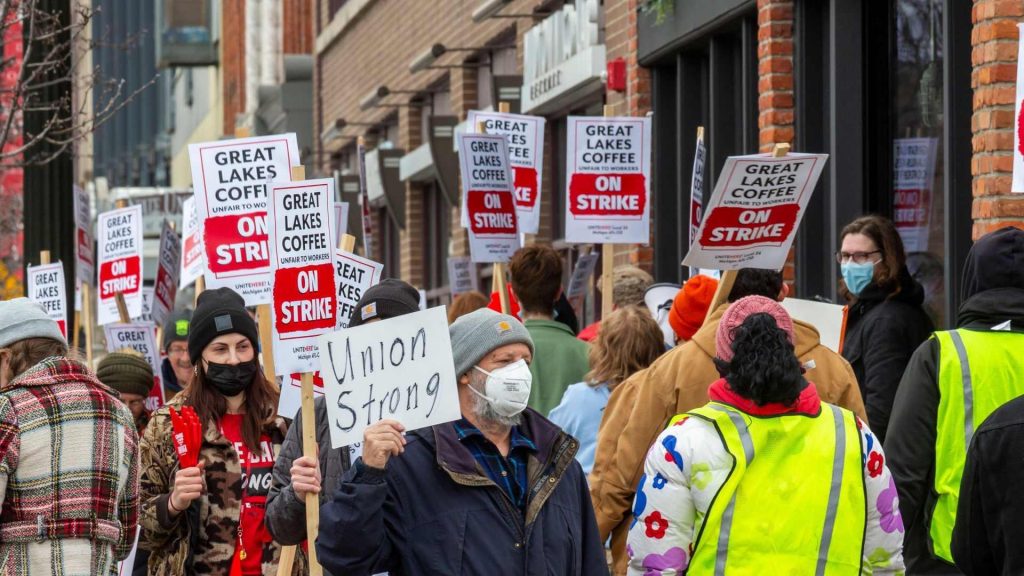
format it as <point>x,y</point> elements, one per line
<point>260,405</point>
<point>764,367</point>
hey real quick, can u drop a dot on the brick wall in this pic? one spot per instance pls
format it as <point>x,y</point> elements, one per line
<point>994,57</point>
<point>232,61</point>
<point>297,27</point>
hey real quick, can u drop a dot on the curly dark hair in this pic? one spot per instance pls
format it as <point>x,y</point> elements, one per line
<point>764,367</point>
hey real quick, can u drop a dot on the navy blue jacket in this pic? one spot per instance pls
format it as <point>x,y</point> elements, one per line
<point>435,512</point>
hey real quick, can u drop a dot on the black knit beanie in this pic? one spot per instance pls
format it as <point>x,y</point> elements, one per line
<point>220,311</point>
<point>390,298</point>
<point>126,372</point>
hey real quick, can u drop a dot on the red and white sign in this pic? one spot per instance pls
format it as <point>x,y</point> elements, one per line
<point>193,260</point>
<point>1018,132</point>
<point>85,262</point>
<point>120,247</point>
<point>913,178</point>
<point>302,259</point>
<point>340,221</point>
<point>697,190</point>
<point>525,136</point>
<point>231,180</point>
<point>754,211</point>
<point>46,287</point>
<point>608,188</point>
<point>165,288</point>
<point>488,200</point>
<point>142,339</point>
<point>354,276</point>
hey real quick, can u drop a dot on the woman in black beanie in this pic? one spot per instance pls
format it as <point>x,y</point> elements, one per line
<point>208,519</point>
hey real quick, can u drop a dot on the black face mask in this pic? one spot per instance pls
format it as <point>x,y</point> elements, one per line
<point>231,380</point>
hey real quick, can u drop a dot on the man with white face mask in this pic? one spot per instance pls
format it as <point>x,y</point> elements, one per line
<point>497,492</point>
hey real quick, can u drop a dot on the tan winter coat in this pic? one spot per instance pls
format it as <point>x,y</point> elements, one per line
<point>640,408</point>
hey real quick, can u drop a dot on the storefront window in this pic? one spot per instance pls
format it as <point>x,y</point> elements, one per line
<point>436,227</point>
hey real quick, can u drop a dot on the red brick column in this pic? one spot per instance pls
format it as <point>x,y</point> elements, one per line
<point>994,57</point>
<point>232,62</point>
<point>410,136</point>
<point>775,72</point>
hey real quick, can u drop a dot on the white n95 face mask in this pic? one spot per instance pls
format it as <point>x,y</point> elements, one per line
<point>507,389</point>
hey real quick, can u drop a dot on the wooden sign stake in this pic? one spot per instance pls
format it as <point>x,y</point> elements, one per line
<point>122,308</point>
<point>607,262</point>
<point>87,320</point>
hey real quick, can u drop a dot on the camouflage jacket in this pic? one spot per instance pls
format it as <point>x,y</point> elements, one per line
<point>170,540</point>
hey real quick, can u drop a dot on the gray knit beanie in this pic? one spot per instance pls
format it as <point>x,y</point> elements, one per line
<point>476,334</point>
<point>22,318</point>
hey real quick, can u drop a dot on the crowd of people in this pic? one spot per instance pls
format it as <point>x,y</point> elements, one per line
<point>700,434</point>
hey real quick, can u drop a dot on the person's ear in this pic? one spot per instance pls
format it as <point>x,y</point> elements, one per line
<point>464,379</point>
<point>784,292</point>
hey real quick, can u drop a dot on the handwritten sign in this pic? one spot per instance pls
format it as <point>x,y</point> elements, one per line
<point>462,275</point>
<point>354,275</point>
<point>142,339</point>
<point>230,178</point>
<point>400,368</point>
<point>487,197</point>
<point>585,266</point>
<point>608,188</point>
<point>46,287</point>
<point>754,211</point>
<point>525,137</point>
<point>193,260</point>
<point>302,258</point>
<point>120,247</point>
<point>85,258</point>
<point>165,288</point>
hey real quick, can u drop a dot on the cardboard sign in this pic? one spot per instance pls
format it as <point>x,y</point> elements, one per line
<point>340,225</point>
<point>754,211</point>
<point>829,319</point>
<point>142,339</point>
<point>354,275</point>
<point>608,188</point>
<point>231,179</point>
<point>46,287</point>
<point>120,247</point>
<point>165,288</point>
<point>913,178</point>
<point>487,197</point>
<point>85,258</point>
<point>1018,132</point>
<point>193,259</point>
<point>585,266</point>
<point>302,259</point>
<point>525,137</point>
<point>697,191</point>
<point>400,368</point>
<point>462,275</point>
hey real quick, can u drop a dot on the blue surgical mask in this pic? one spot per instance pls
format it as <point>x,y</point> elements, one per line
<point>858,276</point>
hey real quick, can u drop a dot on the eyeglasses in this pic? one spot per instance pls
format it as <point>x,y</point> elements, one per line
<point>177,351</point>
<point>856,257</point>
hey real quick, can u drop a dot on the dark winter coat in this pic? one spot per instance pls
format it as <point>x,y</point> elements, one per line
<point>433,511</point>
<point>882,333</point>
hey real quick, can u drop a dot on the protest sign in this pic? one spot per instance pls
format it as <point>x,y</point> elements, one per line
<point>120,259</point>
<point>142,338</point>
<point>525,138</point>
<point>913,177</point>
<point>400,368</point>
<point>165,288</point>
<point>462,275</point>
<point>85,258</point>
<point>146,315</point>
<point>423,299</point>
<point>302,259</point>
<point>585,266</point>
<point>1018,133</point>
<point>697,190</point>
<point>193,260</point>
<point>46,287</point>
<point>230,178</point>
<point>290,401</point>
<point>354,275</point>
<point>608,188</point>
<point>487,197</point>
<point>754,211</point>
<point>340,221</point>
<point>829,319</point>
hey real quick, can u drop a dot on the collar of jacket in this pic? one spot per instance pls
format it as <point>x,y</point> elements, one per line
<point>806,336</point>
<point>807,404</point>
<point>58,370</point>
<point>534,323</point>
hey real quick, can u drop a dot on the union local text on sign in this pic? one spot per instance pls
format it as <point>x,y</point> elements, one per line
<point>487,197</point>
<point>46,287</point>
<point>120,247</point>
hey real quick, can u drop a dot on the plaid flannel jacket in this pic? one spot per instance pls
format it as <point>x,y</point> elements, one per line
<point>69,473</point>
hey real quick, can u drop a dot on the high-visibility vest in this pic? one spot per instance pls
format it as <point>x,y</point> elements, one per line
<point>794,501</point>
<point>979,371</point>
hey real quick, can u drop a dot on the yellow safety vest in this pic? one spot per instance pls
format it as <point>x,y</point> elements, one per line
<point>794,501</point>
<point>979,371</point>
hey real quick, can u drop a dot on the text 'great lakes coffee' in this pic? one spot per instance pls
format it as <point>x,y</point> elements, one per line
<point>231,180</point>
<point>487,197</point>
<point>608,187</point>
<point>120,259</point>
<point>46,288</point>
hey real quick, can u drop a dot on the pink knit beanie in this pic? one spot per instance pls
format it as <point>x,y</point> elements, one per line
<point>739,311</point>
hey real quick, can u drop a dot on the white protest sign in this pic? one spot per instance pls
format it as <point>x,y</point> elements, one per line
<point>193,260</point>
<point>85,261</point>
<point>46,287</point>
<point>302,259</point>
<point>354,275</point>
<point>913,178</point>
<point>290,401</point>
<point>400,368</point>
<point>141,338</point>
<point>754,211</point>
<point>231,179</point>
<point>1018,115</point>
<point>423,299</point>
<point>829,319</point>
<point>146,316</point>
<point>120,259</point>
<point>340,221</point>
<point>608,188</point>
<point>697,190</point>
<point>525,137</point>
<point>462,275</point>
<point>487,197</point>
<point>165,288</point>
<point>585,266</point>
